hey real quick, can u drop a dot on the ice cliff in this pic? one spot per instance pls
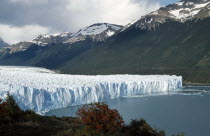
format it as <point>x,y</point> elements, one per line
<point>41,90</point>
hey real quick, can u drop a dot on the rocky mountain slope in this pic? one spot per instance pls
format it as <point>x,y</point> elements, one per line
<point>181,12</point>
<point>95,33</point>
<point>173,48</point>
<point>167,41</point>
<point>52,50</point>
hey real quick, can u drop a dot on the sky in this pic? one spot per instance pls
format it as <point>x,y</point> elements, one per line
<point>22,20</point>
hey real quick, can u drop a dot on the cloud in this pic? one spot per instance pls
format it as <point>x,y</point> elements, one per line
<point>69,15</point>
<point>12,34</point>
<point>84,12</point>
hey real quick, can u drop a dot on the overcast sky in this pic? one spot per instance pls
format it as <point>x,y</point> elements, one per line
<point>22,20</point>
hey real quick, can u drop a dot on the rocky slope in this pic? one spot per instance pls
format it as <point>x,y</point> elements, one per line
<point>181,12</point>
<point>167,41</point>
<point>95,33</point>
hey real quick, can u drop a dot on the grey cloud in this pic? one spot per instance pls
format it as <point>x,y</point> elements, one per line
<point>46,14</point>
<point>50,13</point>
<point>54,16</point>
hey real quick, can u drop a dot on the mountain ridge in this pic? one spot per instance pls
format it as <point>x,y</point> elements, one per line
<point>181,11</point>
<point>97,32</point>
<point>157,43</point>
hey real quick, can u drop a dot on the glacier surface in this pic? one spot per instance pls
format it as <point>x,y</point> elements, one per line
<point>41,90</point>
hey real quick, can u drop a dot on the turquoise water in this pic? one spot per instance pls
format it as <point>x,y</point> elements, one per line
<point>185,112</point>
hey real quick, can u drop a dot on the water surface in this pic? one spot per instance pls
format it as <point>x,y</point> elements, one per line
<point>187,111</point>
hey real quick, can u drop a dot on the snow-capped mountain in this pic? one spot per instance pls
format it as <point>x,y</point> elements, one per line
<point>41,40</point>
<point>97,32</point>
<point>180,11</point>
<point>2,43</point>
<point>45,39</point>
<point>159,40</point>
<point>21,46</point>
<point>188,9</point>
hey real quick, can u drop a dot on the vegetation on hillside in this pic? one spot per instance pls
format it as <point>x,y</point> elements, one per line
<point>94,120</point>
<point>173,48</point>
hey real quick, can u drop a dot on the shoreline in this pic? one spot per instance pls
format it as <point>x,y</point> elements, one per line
<point>195,84</point>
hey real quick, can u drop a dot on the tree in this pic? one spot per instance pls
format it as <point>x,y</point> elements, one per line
<point>9,110</point>
<point>100,118</point>
<point>3,112</point>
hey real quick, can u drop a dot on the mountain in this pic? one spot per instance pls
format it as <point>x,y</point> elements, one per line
<point>45,39</point>
<point>181,12</point>
<point>51,50</point>
<point>171,40</point>
<point>2,43</point>
<point>95,33</point>
<point>167,41</point>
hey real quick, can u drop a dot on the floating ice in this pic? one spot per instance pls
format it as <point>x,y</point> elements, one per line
<point>42,91</point>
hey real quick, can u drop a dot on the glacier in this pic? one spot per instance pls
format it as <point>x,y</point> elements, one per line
<point>41,90</point>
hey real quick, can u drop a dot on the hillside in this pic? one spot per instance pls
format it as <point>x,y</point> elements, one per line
<point>173,47</point>
<point>50,51</point>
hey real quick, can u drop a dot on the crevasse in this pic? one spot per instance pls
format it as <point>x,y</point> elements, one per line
<point>42,92</point>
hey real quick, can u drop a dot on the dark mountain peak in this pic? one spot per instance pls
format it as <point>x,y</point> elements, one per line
<point>180,11</point>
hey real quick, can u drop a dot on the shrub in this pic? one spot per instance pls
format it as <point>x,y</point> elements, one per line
<point>100,118</point>
<point>142,128</point>
<point>178,134</point>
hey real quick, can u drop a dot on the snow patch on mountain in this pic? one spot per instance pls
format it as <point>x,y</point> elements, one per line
<point>44,91</point>
<point>189,10</point>
<point>150,20</point>
<point>180,3</point>
<point>93,30</point>
<point>97,29</point>
<point>110,33</point>
<point>180,11</point>
<point>45,39</point>
<point>98,32</point>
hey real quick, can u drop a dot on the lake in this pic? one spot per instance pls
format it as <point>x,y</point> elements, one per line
<point>186,111</point>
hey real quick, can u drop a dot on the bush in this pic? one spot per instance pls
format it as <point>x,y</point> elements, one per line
<point>142,128</point>
<point>98,118</point>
